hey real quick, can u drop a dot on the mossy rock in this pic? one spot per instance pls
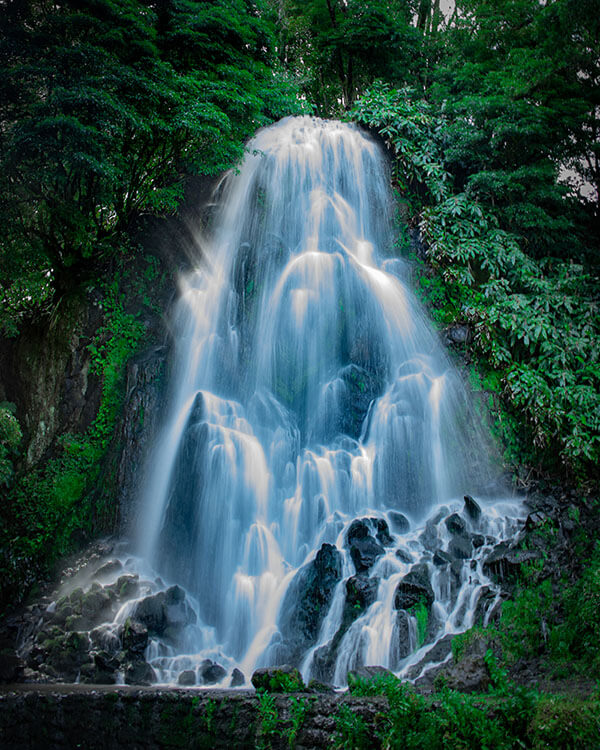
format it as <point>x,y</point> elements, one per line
<point>280,679</point>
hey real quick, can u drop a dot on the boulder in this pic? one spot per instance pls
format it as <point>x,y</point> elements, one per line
<point>460,547</point>
<point>307,601</point>
<point>472,508</point>
<point>134,636</point>
<point>456,525</point>
<point>400,523</point>
<point>187,678</point>
<point>404,556</point>
<point>382,532</point>
<point>364,550</point>
<point>503,564</point>
<point>414,588</point>
<point>167,610</point>
<point>441,558</point>
<point>237,678</point>
<point>211,672</point>
<point>361,592</point>
<point>139,673</point>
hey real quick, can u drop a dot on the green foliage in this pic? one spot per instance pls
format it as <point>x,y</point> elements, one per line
<point>269,719</point>
<point>298,709</point>
<point>535,321</point>
<point>351,731</point>
<point>51,508</point>
<point>10,437</point>
<point>107,106</point>
<point>335,48</point>
<point>420,613</point>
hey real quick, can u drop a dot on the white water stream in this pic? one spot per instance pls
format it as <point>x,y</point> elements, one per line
<point>308,391</point>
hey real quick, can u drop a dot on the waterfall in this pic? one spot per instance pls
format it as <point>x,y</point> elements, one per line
<point>318,442</point>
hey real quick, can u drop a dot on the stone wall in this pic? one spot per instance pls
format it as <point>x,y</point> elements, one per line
<point>53,716</point>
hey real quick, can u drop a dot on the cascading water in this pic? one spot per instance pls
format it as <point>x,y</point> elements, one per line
<point>312,410</point>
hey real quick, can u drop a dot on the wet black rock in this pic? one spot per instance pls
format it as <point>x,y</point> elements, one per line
<point>400,523</point>
<point>485,601</point>
<point>364,550</point>
<point>403,646</point>
<point>109,569</point>
<point>279,679</point>
<point>134,636</point>
<point>361,592</point>
<point>460,547</point>
<point>382,532</point>
<point>165,611</point>
<point>211,672</point>
<point>437,653</point>
<point>478,540</point>
<point>11,666</point>
<point>187,677</point>
<point>321,688</point>
<point>237,678</point>
<point>415,587</point>
<point>504,563</point>
<point>472,508</point>
<point>441,558</point>
<point>429,538</point>
<point>306,602</point>
<point>457,335</point>
<point>404,556</point>
<point>362,385</point>
<point>139,673</point>
<point>455,524</point>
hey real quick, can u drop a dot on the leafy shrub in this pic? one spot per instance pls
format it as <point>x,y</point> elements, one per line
<point>535,320</point>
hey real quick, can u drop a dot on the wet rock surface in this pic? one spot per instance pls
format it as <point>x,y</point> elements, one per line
<point>307,600</point>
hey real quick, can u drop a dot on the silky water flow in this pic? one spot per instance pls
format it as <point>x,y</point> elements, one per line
<point>304,500</point>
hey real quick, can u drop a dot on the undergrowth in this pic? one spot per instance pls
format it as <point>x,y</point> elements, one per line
<point>50,509</point>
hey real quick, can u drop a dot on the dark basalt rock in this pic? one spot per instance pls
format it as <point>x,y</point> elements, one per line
<point>441,558</point>
<point>362,386</point>
<point>478,540</point>
<point>400,523</point>
<point>361,592</point>
<point>382,530</point>
<point>139,673</point>
<point>307,600</point>
<point>237,678</point>
<point>187,677</point>
<point>211,672</point>
<point>460,547</point>
<point>472,508</point>
<point>402,648</point>
<point>429,538</point>
<point>455,524</point>
<point>438,652</point>
<point>109,569</point>
<point>414,588</point>
<point>134,637</point>
<point>364,553</point>
<point>165,610</point>
<point>404,556</point>
<point>364,549</point>
<point>503,564</point>
<point>279,679</point>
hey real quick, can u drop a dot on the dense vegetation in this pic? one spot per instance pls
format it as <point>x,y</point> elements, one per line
<point>492,117</point>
